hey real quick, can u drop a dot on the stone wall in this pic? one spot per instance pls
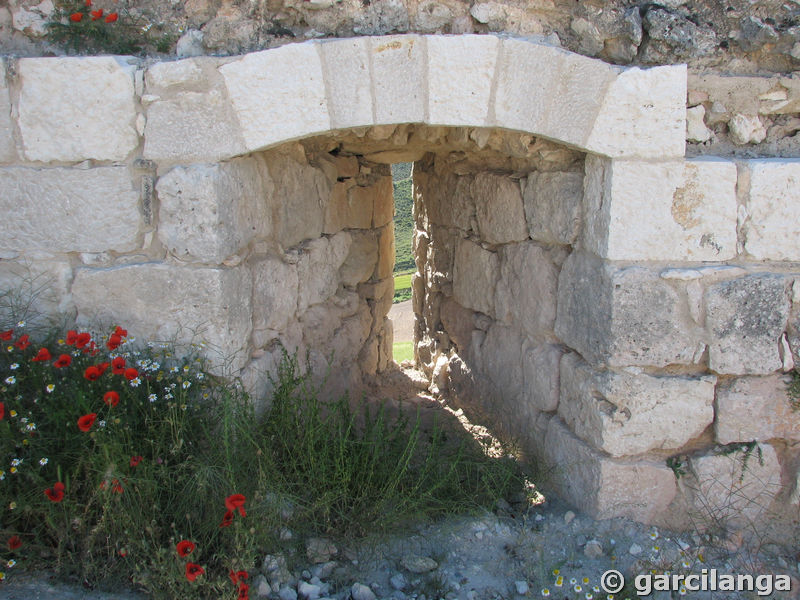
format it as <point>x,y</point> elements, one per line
<point>607,301</point>
<point>608,343</point>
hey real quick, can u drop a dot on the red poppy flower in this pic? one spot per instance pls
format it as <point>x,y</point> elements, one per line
<point>6,335</point>
<point>116,487</point>
<point>120,331</point>
<point>122,552</point>
<point>193,571</point>
<point>118,365</point>
<point>23,342</point>
<point>64,360</point>
<point>14,543</point>
<point>56,493</point>
<point>42,355</point>
<point>88,2</point>
<point>92,373</point>
<point>102,367</point>
<point>111,398</point>
<point>96,14</point>
<point>86,421</point>
<point>135,460</point>
<point>113,342</point>
<point>75,17</point>
<point>111,17</point>
<point>91,349</point>
<point>131,373</point>
<point>82,339</point>
<point>2,411</point>
<point>185,548</point>
<point>237,577</point>
<point>236,502</point>
<point>244,592</point>
<point>227,519</point>
<point>72,337</point>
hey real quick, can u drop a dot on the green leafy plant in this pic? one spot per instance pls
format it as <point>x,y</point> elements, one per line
<point>80,26</point>
<point>122,463</point>
<point>793,390</point>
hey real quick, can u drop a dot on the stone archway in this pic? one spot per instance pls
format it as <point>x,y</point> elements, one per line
<point>194,191</point>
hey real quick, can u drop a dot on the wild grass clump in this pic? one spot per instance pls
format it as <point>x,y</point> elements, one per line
<point>127,465</point>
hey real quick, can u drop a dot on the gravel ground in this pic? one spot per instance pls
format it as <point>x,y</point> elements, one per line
<point>518,551</point>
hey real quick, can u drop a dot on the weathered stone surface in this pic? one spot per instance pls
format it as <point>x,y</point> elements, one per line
<point>460,74</point>
<point>348,82</point>
<point>622,316</point>
<point>626,413</point>
<point>538,86</point>
<point>447,200</point>
<point>32,20</point>
<point>318,268</point>
<point>275,292</point>
<point>210,212</point>
<point>553,206</point>
<point>192,127</point>
<point>755,408</point>
<point>382,201</point>
<point>498,204</point>
<point>164,75</point>
<point>361,259</point>
<point>696,130</point>
<point>385,253</point>
<point>606,487</point>
<point>746,129</point>
<point>37,291</point>
<point>398,79</point>
<point>499,358</point>
<point>526,291</point>
<point>301,196</point>
<point>458,322</point>
<point>772,231</point>
<point>744,319</point>
<point>348,208</point>
<point>687,213</point>
<point>192,304</point>
<point>71,109</point>
<point>542,376</point>
<point>278,94</point>
<point>734,489</point>
<point>475,274</point>
<point>69,210</point>
<point>8,151</point>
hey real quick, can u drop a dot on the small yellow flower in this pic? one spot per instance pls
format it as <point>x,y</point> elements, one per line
<point>556,572</point>
<point>559,581</point>
<point>13,413</point>
<point>12,506</point>
<point>2,576</point>
<point>50,387</point>
<point>25,442</point>
<point>682,591</point>
<point>545,592</point>
<point>578,589</point>
<point>10,564</point>
<point>585,581</point>
<point>13,469</point>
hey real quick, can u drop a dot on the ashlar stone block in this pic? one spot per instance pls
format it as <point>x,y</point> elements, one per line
<point>498,204</point>
<point>348,81</point>
<point>73,109</point>
<point>755,408</point>
<point>475,274</point>
<point>643,114</point>
<point>275,294</point>
<point>191,304</point>
<point>745,318</point>
<point>734,488</point>
<point>210,212</point>
<point>460,74</point>
<point>398,78</point>
<point>627,413</point>
<point>278,94</point>
<point>553,208</point>
<point>772,229</point>
<point>606,487</point>
<point>671,211</point>
<point>69,210</point>
<point>623,316</point>
<point>318,268</point>
<point>527,288</point>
